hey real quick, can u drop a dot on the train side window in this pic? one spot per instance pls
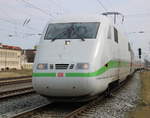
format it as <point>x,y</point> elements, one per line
<point>115,35</point>
<point>129,47</point>
<point>109,33</point>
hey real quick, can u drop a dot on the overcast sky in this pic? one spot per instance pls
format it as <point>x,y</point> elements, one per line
<point>14,14</point>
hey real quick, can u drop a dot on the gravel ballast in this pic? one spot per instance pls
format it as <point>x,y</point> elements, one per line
<point>10,107</point>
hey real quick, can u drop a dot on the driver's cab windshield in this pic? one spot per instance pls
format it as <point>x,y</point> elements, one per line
<point>85,30</point>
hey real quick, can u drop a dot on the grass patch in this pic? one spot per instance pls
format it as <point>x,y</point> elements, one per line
<point>143,109</point>
<point>15,73</point>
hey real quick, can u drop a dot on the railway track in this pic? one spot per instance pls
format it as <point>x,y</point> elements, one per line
<point>28,113</point>
<point>82,110</point>
<point>16,92</point>
<point>15,80</point>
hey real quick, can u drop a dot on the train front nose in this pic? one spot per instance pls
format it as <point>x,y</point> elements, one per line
<point>61,86</point>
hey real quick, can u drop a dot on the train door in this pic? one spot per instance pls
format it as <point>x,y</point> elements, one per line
<point>116,39</point>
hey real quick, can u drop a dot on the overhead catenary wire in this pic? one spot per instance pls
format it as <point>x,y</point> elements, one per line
<point>57,4</point>
<point>7,21</point>
<point>10,17</point>
<point>45,12</point>
<point>24,11</point>
<point>37,8</point>
<point>23,33</point>
<point>13,23</point>
<point>27,26</point>
<point>110,4</point>
<point>4,20</point>
<point>138,14</point>
<point>101,4</point>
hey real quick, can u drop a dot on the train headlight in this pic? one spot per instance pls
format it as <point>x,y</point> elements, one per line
<point>82,66</point>
<point>42,66</point>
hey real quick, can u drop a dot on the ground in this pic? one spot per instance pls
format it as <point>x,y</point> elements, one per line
<point>15,73</point>
<point>143,109</point>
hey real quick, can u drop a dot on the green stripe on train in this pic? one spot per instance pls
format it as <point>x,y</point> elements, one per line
<point>44,74</point>
<point>110,65</point>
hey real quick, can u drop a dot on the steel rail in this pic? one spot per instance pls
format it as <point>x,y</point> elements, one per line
<point>27,113</point>
<point>14,81</point>
<point>83,109</point>
<point>16,92</point>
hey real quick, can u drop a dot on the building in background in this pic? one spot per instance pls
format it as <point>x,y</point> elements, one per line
<point>27,58</point>
<point>10,57</point>
<point>15,58</point>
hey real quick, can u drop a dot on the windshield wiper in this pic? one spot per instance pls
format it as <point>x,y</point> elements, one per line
<point>70,29</point>
<point>53,39</point>
<point>77,34</point>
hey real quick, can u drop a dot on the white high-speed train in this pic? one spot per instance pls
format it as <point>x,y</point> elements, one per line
<point>80,57</point>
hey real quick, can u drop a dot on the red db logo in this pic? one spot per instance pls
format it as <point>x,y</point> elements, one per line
<point>60,74</point>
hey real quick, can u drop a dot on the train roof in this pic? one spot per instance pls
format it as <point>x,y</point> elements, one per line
<point>80,18</point>
<point>86,18</point>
